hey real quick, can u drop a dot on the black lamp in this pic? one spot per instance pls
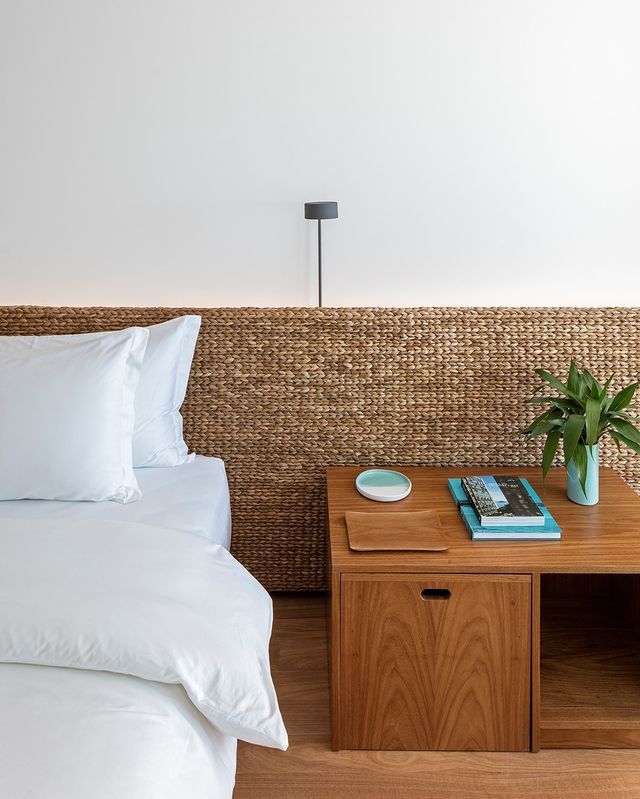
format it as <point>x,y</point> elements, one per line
<point>320,211</point>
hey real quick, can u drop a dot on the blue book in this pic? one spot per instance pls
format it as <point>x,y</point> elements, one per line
<point>549,531</point>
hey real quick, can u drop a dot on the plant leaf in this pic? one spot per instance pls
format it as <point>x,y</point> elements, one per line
<point>534,422</point>
<point>592,420</point>
<point>594,387</point>
<point>620,439</point>
<point>550,449</point>
<point>580,460</point>
<point>543,423</point>
<point>572,432</point>
<point>542,428</point>
<point>573,381</point>
<point>626,429</point>
<point>566,405</point>
<point>616,438</point>
<point>557,384</point>
<point>623,398</point>
<point>628,416</point>
<point>605,388</point>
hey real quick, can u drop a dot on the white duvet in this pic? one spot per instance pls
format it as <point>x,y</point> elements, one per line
<point>70,734</point>
<point>120,623</point>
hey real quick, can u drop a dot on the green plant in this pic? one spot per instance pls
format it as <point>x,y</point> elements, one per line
<point>581,414</point>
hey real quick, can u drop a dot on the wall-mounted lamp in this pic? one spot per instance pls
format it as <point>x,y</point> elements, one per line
<point>320,211</point>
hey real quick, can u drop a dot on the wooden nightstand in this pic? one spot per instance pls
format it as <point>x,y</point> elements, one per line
<point>443,650</point>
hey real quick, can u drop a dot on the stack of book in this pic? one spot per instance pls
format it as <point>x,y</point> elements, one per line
<point>503,509</point>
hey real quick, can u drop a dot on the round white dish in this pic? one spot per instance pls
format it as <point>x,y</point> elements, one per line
<point>383,485</point>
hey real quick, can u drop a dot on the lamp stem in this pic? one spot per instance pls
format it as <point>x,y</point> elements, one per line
<point>319,263</point>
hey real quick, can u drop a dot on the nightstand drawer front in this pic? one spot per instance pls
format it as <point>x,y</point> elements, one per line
<point>435,662</point>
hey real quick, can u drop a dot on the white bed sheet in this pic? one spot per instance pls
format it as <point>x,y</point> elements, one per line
<point>193,497</point>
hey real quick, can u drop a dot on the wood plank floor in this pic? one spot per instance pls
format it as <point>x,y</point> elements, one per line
<point>310,770</point>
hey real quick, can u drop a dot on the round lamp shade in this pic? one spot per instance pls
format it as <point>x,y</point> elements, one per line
<point>321,210</point>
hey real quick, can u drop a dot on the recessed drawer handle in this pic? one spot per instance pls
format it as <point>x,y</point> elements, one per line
<point>435,593</point>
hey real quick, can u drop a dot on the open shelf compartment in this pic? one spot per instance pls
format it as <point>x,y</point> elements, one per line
<point>590,661</point>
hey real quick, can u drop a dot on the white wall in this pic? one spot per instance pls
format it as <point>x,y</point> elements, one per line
<point>160,151</point>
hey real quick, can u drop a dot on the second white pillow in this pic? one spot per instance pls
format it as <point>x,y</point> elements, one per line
<point>157,438</point>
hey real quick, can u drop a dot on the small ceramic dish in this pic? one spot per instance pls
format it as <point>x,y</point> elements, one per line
<point>383,485</point>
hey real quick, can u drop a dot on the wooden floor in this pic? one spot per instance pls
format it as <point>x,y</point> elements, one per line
<point>310,770</point>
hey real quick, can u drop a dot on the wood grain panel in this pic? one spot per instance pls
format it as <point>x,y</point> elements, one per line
<point>585,737</point>
<point>535,663</point>
<point>435,673</point>
<point>335,655</point>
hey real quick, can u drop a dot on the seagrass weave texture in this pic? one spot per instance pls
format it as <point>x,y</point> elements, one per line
<point>282,393</point>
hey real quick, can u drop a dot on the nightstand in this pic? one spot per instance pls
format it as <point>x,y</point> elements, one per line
<point>444,650</point>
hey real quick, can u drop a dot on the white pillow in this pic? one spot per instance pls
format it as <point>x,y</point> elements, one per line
<point>157,437</point>
<point>67,416</point>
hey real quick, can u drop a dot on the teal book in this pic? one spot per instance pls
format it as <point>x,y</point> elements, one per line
<point>549,531</point>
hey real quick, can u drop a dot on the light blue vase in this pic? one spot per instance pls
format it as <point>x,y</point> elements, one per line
<point>590,495</point>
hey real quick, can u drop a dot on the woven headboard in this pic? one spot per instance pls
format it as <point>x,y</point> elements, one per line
<point>281,393</point>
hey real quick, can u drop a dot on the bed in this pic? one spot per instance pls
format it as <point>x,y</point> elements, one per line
<point>108,730</point>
